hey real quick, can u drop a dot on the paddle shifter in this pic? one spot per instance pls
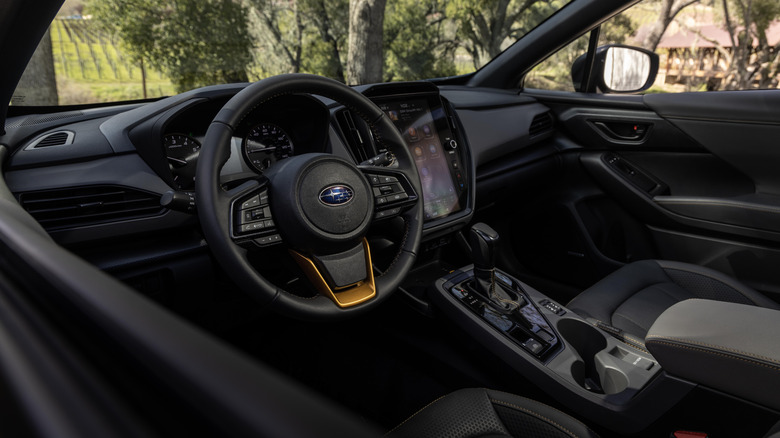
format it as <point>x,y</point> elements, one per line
<point>483,241</point>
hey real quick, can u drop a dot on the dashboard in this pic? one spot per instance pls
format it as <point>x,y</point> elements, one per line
<point>94,178</point>
<point>107,178</point>
<point>99,173</point>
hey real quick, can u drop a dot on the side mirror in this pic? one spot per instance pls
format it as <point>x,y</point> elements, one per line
<point>618,69</point>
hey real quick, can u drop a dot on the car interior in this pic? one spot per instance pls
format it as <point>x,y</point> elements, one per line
<point>454,257</point>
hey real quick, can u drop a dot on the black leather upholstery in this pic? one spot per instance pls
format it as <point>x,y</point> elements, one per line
<point>628,301</point>
<point>485,413</point>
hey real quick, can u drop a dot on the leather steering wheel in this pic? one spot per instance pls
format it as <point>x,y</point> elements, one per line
<point>320,207</point>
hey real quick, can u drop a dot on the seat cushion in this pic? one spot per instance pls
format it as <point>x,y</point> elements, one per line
<point>486,413</point>
<point>629,300</point>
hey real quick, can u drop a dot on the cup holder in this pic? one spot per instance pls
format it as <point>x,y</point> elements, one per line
<point>588,370</point>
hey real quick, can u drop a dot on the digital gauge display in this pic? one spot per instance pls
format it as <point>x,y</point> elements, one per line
<point>265,144</point>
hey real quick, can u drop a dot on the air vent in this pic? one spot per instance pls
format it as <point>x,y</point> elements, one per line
<point>59,138</point>
<point>541,124</point>
<point>355,143</point>
<point>77,207</point>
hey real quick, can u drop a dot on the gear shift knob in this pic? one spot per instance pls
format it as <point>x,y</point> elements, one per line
<point>483,241</point>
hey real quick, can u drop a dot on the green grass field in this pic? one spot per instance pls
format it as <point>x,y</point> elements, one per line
<point>91,67</point>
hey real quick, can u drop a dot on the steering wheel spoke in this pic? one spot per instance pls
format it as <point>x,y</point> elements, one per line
<point>347,278</point>
<point>251,221</point>
<point>392,191</point>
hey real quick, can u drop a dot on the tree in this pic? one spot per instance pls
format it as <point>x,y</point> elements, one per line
<point>365,54</point>
<point>326,48</point>
<point>751,60</point>
<point>280,29</point>
<point>195,42</point>
<point>485,26</point>
<point>554,73</point>
<point>667,13</point>
<point>416,44</point>
<point>304,35</point>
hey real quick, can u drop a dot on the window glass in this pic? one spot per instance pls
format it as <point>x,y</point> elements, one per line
<point>702,45</point>
<point>115,50</point>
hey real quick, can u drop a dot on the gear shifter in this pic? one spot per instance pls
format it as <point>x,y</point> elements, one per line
<point>483,241</point>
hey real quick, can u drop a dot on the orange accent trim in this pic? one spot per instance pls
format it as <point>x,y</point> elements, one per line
<point>348,296</point>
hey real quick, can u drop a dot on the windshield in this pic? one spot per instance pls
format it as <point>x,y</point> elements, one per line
<point>118,50</point>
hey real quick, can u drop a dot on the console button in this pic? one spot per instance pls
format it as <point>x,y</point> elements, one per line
<point>533,346</point>
<point>545,335</point>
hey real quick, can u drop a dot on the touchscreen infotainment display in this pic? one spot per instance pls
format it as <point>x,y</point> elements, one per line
<point>417,125</point>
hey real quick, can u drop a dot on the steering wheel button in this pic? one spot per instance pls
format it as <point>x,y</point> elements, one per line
<point>388,179</point>
<point>374,180</point>
<point>254,226</point>
<point>381,200</point>
<point>264,199</point>
<point>398,197</point>
<point>386,190</point>
<point>377,192</point>
<point>252,202</point>
<point>268,223</point>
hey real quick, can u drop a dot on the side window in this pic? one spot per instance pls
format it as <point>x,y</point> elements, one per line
<point>702,45</point>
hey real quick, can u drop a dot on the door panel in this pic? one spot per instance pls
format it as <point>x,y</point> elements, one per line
<point>700,174</point>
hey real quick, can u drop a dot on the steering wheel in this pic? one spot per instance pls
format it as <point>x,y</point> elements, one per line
<point>319,205</point>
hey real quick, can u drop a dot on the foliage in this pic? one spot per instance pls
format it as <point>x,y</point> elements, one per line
<point>554,73</point>
<point>305,35</point>
<point>195,42</point>
<point>752,59</point>
<point>415,42</point>
<point>91,66</point>
<point>486,27</point>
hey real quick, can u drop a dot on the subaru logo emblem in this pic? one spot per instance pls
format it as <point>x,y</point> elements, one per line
<point>336,195</point>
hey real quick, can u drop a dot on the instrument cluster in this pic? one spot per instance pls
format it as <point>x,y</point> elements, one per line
<point>277,130</point>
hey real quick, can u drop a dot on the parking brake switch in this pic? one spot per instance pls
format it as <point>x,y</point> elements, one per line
<point>483,241</point>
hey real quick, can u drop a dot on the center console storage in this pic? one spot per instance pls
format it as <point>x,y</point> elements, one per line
<point>729,347</point>
<point>571,359</point>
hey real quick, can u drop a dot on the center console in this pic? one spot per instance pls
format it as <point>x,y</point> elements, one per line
<point>584,367</point>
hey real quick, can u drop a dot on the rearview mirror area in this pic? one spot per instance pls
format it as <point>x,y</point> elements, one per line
<point>618,69</point>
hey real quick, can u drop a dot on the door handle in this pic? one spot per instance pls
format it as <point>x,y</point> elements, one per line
<point>624,131</point>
